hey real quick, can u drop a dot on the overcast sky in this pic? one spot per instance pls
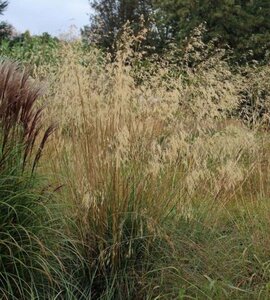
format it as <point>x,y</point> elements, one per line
<point>53,16</point>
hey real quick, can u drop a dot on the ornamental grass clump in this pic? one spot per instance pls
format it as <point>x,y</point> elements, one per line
<point>28,267</point>
<point>145,156</point>
<point>20,117</point>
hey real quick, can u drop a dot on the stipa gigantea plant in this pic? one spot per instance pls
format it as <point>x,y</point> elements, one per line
<point>106,147</point>
<point>137,156</point>
<point>123,220</point>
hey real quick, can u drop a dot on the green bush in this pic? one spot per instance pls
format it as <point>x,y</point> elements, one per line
<point>34,51</point>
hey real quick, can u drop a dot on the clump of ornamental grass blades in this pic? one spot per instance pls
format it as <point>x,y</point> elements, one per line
<point>157,167</point>
<point>29,268</point>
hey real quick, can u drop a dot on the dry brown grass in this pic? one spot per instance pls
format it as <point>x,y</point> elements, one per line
<point>106,117</point>
<point>134,157</point>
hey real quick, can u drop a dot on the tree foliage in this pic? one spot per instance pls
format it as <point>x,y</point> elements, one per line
<point>31,50</point>
<point>3,6</point>
<point>111,15</point>
<point>6,29</point>
<point>244,25</point>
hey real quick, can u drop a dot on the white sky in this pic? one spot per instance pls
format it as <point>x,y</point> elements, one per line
<point>53,16</point>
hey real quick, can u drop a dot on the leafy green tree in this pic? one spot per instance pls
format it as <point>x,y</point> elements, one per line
<point>32,50</point>
<point>6,29</point>
<point>244,25</point>
<point>110,16</point>
<point>3,6</point>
